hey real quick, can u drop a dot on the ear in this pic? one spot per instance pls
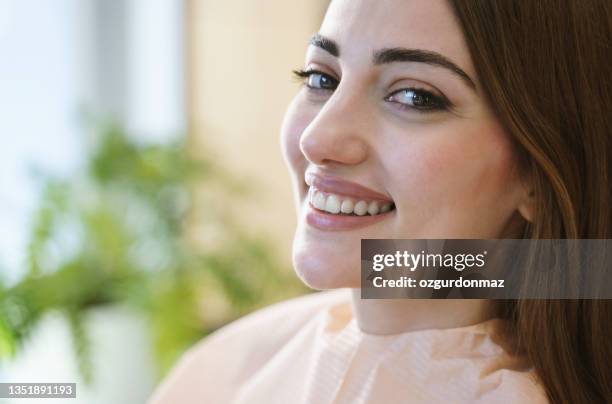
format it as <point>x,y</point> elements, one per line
<point>526,206</point>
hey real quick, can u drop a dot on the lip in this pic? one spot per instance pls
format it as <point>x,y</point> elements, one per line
<point>329,222</point>
<point>335,185</point>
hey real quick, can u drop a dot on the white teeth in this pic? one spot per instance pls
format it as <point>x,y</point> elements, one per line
<point>373,208</point>
<point>335,205</point>
<point>319,201</point>
<point>332,205</point>
<point>361,208</point>
<point>347,206</point>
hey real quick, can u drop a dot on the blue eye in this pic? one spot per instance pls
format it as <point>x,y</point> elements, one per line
<point>317,80</point>
<point>419,99</point>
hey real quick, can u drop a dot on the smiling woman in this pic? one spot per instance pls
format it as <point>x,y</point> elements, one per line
<point>422,119</point>
<point>383,99</point>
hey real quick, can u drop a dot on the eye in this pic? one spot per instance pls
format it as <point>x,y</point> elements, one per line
<point>419,99</point>
<point>317,80</point>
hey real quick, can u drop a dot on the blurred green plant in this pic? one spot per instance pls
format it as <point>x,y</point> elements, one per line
<point>118,232</point>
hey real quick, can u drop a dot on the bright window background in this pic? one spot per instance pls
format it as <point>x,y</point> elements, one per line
<point>40,86</point>
<point>121,59</point>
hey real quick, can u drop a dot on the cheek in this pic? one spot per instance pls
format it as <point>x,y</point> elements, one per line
<point>297,118</point>
<point>466,167</point>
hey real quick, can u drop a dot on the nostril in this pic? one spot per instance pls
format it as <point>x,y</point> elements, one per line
<point>328,147</point>
<point>311,151</point>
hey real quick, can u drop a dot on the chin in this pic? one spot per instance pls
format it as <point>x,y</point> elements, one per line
<point>322,264</point>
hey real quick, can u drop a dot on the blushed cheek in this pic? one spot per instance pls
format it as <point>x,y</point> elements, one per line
<point>489,172</point>
<point>457,169</point>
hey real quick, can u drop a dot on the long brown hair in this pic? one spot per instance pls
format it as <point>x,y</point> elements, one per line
<point>546,70</point>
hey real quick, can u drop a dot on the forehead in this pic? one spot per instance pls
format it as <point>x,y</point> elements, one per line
<point>363,26</point>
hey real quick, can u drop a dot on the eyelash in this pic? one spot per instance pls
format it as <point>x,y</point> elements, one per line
<point>437,103</point>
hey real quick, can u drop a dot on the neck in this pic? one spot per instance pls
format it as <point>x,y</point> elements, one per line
<point>394,316</point>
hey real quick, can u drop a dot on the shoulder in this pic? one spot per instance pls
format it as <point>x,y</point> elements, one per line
<point>234,352</point>
<point>512,386</point>
<point>282,317</point>
<point>508,376</point>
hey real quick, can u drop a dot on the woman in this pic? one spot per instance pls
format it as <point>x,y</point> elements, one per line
<point>433,119</point>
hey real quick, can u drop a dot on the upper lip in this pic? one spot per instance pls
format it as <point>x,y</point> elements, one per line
<point>339,186</point>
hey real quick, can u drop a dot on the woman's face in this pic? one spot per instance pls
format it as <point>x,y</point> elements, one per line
<point>391,137</point>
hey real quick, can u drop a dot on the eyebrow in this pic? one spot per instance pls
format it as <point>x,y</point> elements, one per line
<point>326,44</point>
<point>391,55</point>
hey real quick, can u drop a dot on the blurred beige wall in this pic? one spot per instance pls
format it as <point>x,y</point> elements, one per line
<point>240,56</point>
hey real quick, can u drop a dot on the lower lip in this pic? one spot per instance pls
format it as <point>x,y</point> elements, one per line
<point>329,222</point>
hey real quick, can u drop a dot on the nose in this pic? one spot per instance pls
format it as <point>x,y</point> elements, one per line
<point>337,135</point>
